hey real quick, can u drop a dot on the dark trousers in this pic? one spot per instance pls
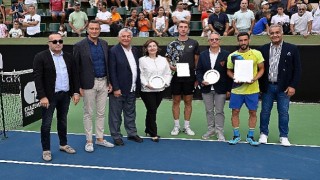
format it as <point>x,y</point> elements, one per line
<point>125,104</point>
<point>152,101</point>
<point>61,102</point>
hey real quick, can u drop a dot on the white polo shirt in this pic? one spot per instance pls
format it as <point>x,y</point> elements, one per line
<point>34,29</point>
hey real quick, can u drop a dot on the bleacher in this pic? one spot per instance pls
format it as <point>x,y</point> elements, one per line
<point>47,25</point>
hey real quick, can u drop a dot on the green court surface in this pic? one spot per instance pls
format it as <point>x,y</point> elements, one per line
<point>304,122</point>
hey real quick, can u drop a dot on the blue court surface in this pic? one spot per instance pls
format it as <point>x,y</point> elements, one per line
<point>20,158</point>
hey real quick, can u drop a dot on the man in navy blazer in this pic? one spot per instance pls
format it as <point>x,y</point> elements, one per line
<point>125,79</point>
<point>214,95</point>
<point>56,80</point>
<point>279,82</point>
<point>91,56</point>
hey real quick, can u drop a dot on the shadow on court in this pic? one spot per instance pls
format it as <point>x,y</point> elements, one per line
<point>20,158</point>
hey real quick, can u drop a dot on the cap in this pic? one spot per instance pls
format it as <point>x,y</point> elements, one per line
<point>77,3</point>
<point>14,1</point>
<point>264,3</point>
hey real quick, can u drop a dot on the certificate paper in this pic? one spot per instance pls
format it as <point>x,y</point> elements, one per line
<point>243,70</point>
<point>183,70</point>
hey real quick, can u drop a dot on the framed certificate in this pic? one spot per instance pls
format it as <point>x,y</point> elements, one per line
<point>243,70</point>
<point>183,70</point>
<point>211,76</point>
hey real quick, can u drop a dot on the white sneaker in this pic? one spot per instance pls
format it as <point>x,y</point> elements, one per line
<point>263,139</point>
<point>89,147</point>
<point>220,136</point>
<point>104,143</point>
<point>285,141</point>
<point>196,4</point>
<point>175,131</point>
<point>208,134</point>
<point>127,8</point>
<point>188,131</point>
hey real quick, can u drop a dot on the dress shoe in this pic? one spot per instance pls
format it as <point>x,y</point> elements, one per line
<point>135,138</point>
<point>155,139</point>
<point>118,142</point>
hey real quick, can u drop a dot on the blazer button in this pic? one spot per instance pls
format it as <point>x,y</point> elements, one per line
<point>283,69</point>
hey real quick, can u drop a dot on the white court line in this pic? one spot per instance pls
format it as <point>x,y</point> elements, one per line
<point>133,170</point>
<point>182,139</point>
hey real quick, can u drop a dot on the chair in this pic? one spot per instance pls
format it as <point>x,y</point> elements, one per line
<point>41,12</point>
<point>54,27</point>
<point>195,10</point>
<point>91,11</point>
<point>195,26</point>
<point>121,10</point>
<point>43,27</point>
<point>48,13</point>
<point>68,27</point>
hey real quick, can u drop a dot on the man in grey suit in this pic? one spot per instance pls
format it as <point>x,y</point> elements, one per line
<point>91,56</point>
<point>125,79</point>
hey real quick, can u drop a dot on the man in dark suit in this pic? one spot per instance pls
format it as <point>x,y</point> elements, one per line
<point>214,95</point>
<point>91,56</point>
<point>125,79</point>
<point>56,80</point>
<point>279,82</point>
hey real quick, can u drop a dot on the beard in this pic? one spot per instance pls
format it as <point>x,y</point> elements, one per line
<point>244,46</point>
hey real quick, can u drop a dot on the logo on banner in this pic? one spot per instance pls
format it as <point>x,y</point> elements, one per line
<point>30,95</point>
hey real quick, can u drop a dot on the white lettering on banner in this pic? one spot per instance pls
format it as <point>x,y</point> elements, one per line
<point>11,78</point>
<point>29,110</point>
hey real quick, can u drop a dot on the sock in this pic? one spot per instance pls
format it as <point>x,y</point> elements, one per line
<point>250,132</point>
<point>186,123</point>
<point>236,132</point>
<point>176,123</point>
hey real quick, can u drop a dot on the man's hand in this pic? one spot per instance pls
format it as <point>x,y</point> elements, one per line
<point>44,102</point>
<point>117,93</point>
<point>75,98</point>
<point>173,68</point>
<point>109,88</point>
<point>205,83</point>
<point>290,91</point>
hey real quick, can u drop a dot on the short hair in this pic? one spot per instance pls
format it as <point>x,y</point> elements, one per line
<point>185,22</point>
<point>94,22</point>
<point>104,4</point>
<point>214,33</point>
<point>113,7</point>
<point>146,44</point>
<point>276,25</point>
<point>31,5</point>
<point>302,5</point>
<point>125,30</point>
<point>243,34</point>
<point>266,13</point>
<point>280,5</point>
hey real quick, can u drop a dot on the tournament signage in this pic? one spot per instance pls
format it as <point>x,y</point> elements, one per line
<point>19,93</point>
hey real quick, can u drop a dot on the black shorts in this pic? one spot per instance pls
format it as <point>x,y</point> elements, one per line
<point>182,88</point>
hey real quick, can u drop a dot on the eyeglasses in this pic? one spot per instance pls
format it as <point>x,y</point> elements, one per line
<point>57,41</point>
<point>214,39</point>
<point>301,9</point>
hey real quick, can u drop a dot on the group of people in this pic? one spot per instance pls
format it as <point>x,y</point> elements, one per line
<point>95,70</point>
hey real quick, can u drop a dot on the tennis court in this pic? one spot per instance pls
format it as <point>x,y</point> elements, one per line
<point>181,157</point>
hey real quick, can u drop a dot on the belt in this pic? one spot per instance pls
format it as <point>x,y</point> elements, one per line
<point>275,83</point>
<point>100,78</point>
<point>60,92</point>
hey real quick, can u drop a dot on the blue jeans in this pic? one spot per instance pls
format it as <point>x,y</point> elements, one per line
<point>61,102</point>
<point>273,93</point>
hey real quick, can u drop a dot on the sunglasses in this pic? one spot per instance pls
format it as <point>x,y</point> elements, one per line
<point>214,39</point>
<point>301,9</point>
<point>57,41</point>
<point>180,4</point>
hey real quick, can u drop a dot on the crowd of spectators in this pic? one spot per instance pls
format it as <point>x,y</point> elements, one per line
<point>160,17</point>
